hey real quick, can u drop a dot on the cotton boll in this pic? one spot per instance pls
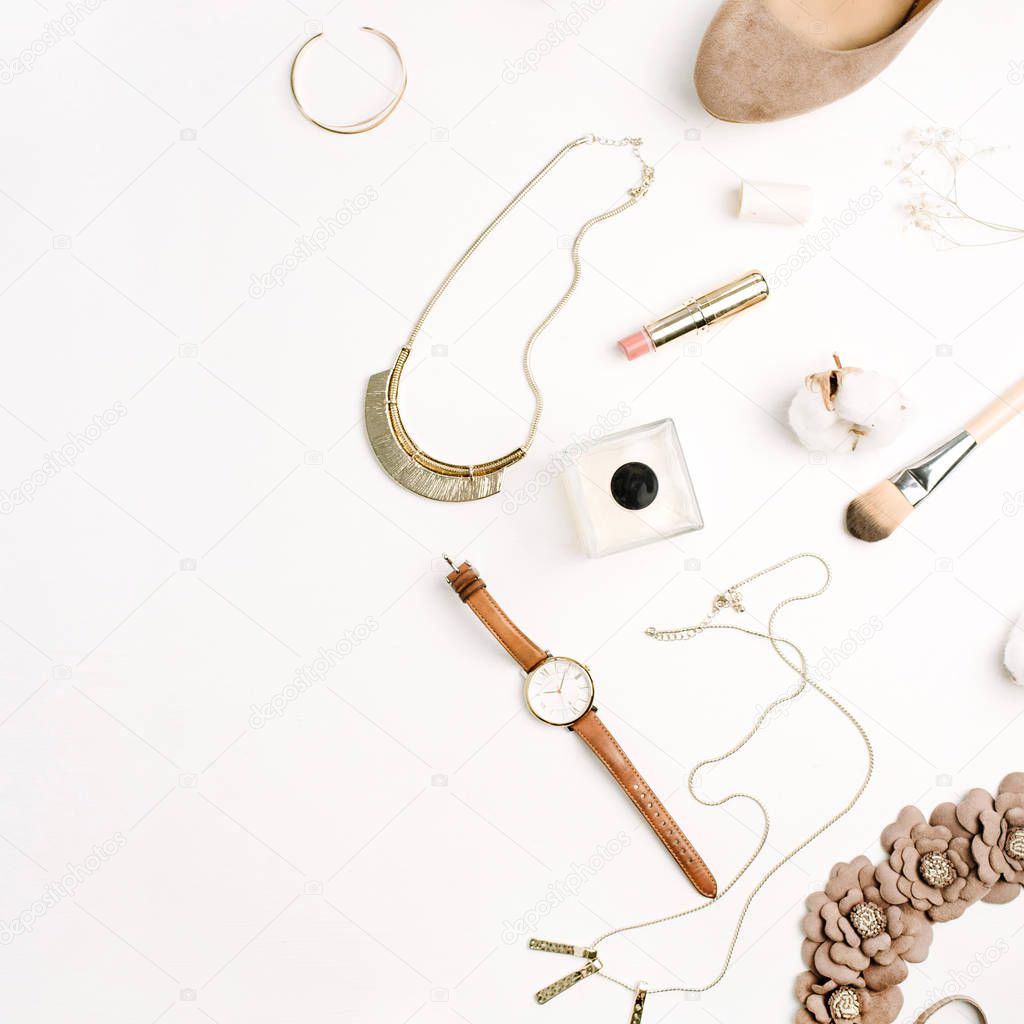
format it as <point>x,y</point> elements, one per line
<point>874,403</point>
<point>1014,657</point>
<point>818,428</point>
<point>846,408</point>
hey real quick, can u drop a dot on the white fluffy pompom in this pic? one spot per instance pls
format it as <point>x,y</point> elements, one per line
<point>847,408</point>
<point>1014,656</point>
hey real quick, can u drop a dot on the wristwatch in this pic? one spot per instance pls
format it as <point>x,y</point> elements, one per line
<point>559,691</point>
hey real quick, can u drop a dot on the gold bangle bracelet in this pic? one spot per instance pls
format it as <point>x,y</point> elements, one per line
<point>357,127</point>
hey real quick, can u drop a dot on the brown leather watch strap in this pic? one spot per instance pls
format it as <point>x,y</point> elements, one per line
<point>466,582</point>
<point>595,734</point>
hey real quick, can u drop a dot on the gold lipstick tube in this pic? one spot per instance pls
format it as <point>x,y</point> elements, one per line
<point>717,305</point>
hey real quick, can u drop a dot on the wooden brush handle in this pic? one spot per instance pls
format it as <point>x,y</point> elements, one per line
<point>998,413</point>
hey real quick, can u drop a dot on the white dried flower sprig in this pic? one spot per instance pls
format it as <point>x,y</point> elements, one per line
<point>931,160</point>
<point>845,408</point>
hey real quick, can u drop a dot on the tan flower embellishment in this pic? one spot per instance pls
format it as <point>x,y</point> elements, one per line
<point>853,932</point>
<point>994,828</point>
<point>869,922</point>
<point>928,867</point>
<point>822,1001</point>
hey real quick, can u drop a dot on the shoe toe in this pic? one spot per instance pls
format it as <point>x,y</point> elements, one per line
<point>745,71</point>
<point>751,68</point>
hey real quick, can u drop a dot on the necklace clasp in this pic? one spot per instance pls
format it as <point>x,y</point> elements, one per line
<point>730,599</point>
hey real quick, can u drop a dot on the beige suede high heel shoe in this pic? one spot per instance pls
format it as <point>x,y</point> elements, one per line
<point>765,60</point>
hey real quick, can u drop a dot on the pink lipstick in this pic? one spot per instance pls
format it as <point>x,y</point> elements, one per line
<point>717,305</point>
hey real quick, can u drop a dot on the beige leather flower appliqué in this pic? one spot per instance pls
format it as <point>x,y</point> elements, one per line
<point>994,827</point>
<point>928,867</point>
<point>822,1001</point>
<point>853,932</point>
<point>870,921</point>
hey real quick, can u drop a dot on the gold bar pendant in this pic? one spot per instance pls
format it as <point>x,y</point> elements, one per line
<point>563,947</point>
<point>639,998</point>
<point>558,987</point>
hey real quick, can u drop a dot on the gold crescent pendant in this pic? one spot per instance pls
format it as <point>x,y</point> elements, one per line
<point>406,464</point>
<point>403,460</point>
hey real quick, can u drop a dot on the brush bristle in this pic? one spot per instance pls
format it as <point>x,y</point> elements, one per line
<point>873,516</point>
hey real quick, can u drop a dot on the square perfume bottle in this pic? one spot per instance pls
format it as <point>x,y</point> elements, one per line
<point>632,488</point>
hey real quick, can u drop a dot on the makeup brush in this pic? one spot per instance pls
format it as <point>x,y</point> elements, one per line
<point>873,516</point>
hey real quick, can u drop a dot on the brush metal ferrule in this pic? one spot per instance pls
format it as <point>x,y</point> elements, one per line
<point>916,482</point>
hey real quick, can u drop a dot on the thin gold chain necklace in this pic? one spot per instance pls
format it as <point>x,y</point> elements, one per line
<point>397,453</point>
<point>731,598</point>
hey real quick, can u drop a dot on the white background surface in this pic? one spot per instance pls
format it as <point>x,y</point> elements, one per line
<point>366,854</point>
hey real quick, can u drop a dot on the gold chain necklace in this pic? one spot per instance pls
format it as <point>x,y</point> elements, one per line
<point>731,598</point>
<point>397,453</point>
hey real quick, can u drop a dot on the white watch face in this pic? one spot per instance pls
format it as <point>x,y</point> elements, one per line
<point>559,691</point>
